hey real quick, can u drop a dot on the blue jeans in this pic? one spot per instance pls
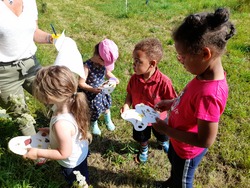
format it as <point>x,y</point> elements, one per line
<point>182,170</point>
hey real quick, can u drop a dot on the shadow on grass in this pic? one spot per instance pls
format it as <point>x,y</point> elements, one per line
<point>8,130</point>
<point>106,154</point>
<point>17,172</point>
<point>104,144</point>
<point>43,118</point>
<point>104,178</point>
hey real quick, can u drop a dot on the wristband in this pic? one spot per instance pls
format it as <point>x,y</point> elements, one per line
<point>55,36</point>
<point>49,39</point>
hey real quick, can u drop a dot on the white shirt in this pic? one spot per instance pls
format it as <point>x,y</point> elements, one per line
<point>80,147</point>
<point>16,32</point>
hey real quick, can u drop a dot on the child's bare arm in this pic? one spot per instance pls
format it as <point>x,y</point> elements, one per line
<point>164,105</point>
<point>207,132</point>
<point>109,75</point>
<point>83,85</point>
<point>63,130</point>
<point>127,104</point>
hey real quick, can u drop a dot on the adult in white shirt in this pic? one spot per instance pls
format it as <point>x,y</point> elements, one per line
<point>18,33</point>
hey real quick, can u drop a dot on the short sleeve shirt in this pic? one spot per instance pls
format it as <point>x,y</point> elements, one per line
<point>80,146</point>
<point>201,99</point>
<point>157,88</point>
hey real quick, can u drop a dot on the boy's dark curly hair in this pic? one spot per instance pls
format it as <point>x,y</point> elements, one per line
<point>152,48</point>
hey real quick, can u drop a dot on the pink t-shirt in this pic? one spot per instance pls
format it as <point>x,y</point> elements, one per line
<point>157,88</point>
<point>201,99</point>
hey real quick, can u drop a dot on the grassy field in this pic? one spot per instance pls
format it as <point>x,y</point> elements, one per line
<point>111,164</point>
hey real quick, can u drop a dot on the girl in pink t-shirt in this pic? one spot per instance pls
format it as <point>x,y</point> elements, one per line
<point>194,115</point>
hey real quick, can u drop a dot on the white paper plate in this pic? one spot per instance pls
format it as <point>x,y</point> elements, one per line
<point>141,116</point>
<point>20,144</point>
<point>108,86</point>
<point>149,113</point>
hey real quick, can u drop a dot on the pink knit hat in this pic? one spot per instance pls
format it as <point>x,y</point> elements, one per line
<point>108,51</point>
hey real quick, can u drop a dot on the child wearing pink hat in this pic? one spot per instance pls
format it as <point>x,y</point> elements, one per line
<point>96,69</point>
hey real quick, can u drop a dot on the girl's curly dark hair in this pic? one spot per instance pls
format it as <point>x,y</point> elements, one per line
<point>205,29</point>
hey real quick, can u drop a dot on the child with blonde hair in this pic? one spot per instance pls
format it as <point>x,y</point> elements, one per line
<point>69,125</point>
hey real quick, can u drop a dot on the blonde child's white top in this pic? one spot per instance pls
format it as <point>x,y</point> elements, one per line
<point>79,147</point>
<point>17,32</point>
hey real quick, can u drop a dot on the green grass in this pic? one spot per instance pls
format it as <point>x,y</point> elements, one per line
<point>111,164</point>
